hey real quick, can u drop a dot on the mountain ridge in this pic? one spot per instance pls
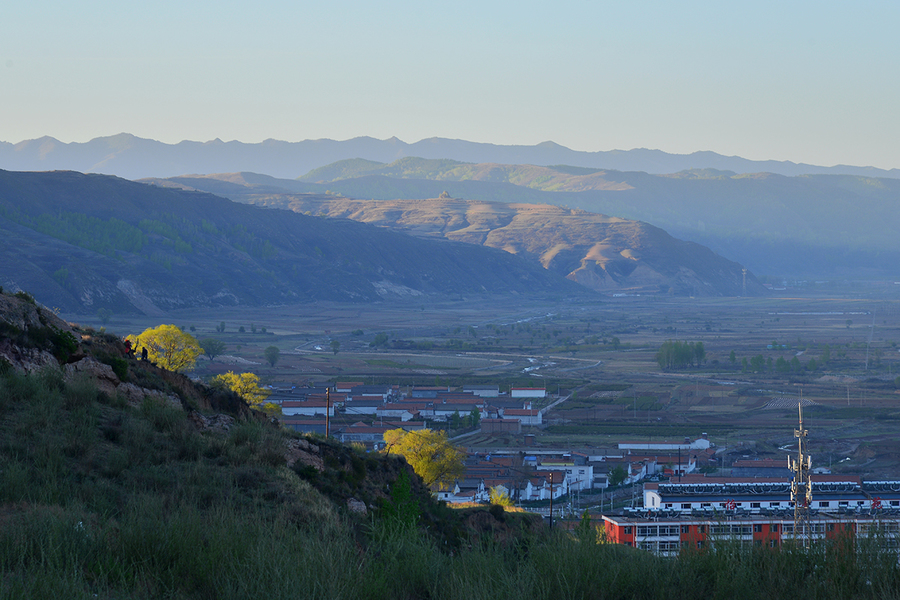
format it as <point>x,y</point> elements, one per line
<point>82,242</point>
<point>602,253</point>
<point>132,157</point>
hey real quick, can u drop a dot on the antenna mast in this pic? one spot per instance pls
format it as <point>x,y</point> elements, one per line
<point>801,486</point>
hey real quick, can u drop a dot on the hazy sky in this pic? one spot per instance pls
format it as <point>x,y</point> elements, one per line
<point>815,82</point>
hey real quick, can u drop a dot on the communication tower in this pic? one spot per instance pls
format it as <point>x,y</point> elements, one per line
<point>801,486</point>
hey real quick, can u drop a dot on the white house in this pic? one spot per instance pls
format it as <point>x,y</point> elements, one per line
<point>527,392</point>
<point>306,407</point>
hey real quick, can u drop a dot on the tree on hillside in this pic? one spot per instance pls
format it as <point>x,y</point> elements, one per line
<point>104,314</point>
<point>272,355</point>
<point>428,452</point>
<point>245,385</point>
<point>212,347</point>
<point>168,347</point>
<point>335,346</point>
<point>499,496</point>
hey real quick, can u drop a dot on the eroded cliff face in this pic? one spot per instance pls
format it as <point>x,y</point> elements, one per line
<point>29,333</point>
<point>34,338</point>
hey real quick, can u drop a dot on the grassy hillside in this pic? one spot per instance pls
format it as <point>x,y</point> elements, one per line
<point>82,242</point>
<point>102,496</point>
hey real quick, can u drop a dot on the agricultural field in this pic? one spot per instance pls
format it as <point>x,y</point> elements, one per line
<point>760,357</point>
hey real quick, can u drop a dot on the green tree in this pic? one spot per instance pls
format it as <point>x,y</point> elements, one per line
<point>732,358</point>
<point>104,314</point>
<point>335,346</point>
<point>475,417</point>
<point>402,511</point>
<point>272,355</point>
<point>380,340</point>
<point>617,476</point>
<point>455,420</point>
<point>758,363</point>
<point>499,496</point>
<point>430,454</point>
<point>168,347</point>
<point>245,385</point>
<point>680,355</point>
<point>585,530</point>
<point>781,365</point>
<point>212,347</point>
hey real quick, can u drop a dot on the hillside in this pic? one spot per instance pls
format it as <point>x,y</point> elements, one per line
<point>132,157</point>
<point>809,225</point>
<point>599,252</point>
<point>121,480</point>
<point>84,242</point>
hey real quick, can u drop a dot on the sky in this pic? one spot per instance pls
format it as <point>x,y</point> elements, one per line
<point>813,82</point>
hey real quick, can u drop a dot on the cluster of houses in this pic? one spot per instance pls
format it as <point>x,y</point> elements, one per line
<point>383,407</point>
<point>529,473</point>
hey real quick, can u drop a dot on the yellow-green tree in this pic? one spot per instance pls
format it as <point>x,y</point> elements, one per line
<point>429,453</point>
<point>168,347</point>
<point>499,495</point>
<point>245,385</point>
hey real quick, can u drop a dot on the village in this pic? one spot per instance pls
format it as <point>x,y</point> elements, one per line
<point>660,496</point>
<point>527,472</point>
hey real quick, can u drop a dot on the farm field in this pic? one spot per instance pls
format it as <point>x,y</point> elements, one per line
<point>761,356</point>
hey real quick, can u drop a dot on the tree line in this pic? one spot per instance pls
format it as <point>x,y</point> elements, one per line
<point>680,355</point>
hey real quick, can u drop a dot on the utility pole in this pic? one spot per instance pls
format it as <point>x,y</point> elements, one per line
<point>327,413</point>
<point>551,499</point>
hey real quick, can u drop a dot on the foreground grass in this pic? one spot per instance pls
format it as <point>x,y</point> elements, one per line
<point>100,500</point>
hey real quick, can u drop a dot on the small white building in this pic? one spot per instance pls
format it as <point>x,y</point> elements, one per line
<point>523,415</point>
<point>528,392</point>
<point>578,477</point>
<point>484,391</point>
<point>307,407</point>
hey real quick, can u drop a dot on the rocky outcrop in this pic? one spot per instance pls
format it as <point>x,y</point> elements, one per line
<point>26,359</point>
<point>303,452</point>
<point>357,506</point>
<point>218,423</point>
<point>102,374</point>
<point>135,395</point>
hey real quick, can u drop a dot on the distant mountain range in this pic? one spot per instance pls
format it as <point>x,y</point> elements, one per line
<point>602,253</point>
<point>131,157</point>
<point>83,242</point>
